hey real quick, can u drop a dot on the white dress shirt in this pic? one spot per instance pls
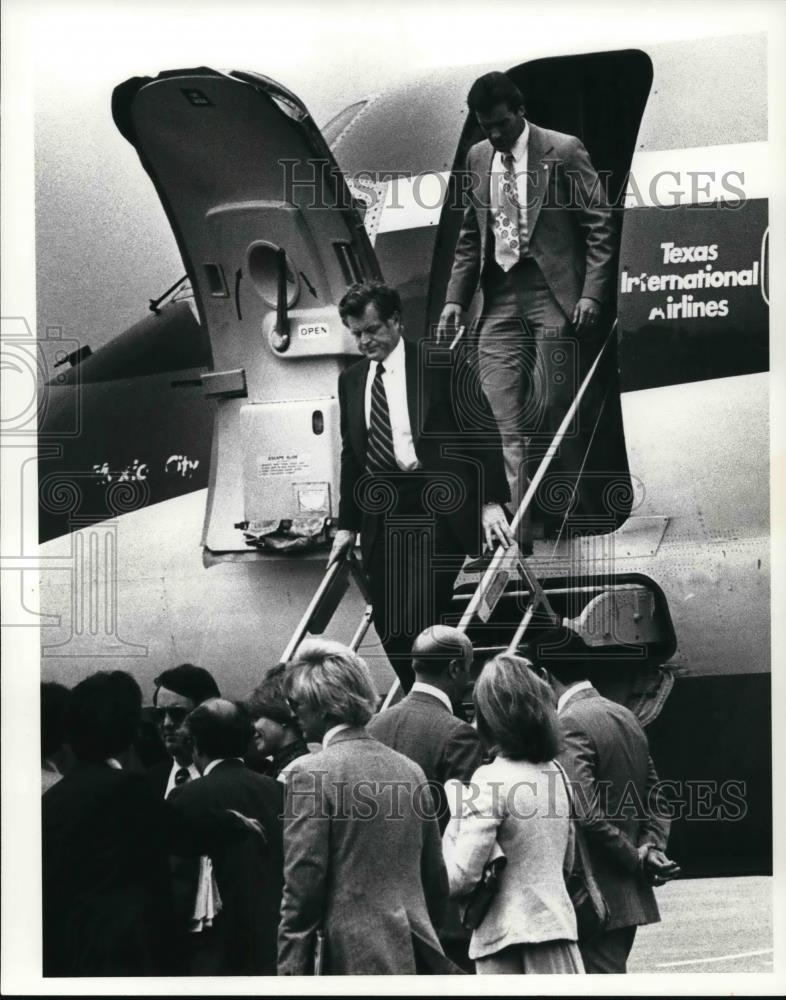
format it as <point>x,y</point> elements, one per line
<point>208,903</point>
<point>394,378</point>
<point>434,692</point>
<point>192,774</point>
<point>520,162</point>
<point>565,697</point>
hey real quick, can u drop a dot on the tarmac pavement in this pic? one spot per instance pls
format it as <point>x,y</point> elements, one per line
<point>709,925</point>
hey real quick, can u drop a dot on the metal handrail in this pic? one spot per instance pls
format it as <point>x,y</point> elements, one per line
<point>338,572</point>
<point>499,553</point>
<point>326,599</point>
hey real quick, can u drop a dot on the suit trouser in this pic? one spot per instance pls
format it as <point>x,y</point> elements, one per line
<point>531,366</point>
<point>412,567</point>
<point>608,952</point>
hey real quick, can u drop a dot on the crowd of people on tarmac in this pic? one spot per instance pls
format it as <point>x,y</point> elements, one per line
<point>304,831</point>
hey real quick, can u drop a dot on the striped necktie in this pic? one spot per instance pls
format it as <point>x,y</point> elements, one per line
<point>380,456</point>
<point>507,241</point>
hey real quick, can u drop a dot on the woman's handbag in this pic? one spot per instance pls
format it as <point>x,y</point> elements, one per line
<point>592,914</point>
<point>482,896</point>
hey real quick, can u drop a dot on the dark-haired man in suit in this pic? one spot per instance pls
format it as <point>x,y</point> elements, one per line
<point>618,809</point>
<point>537,236</point>
<point>106,891</point>
<point>422,475</point>
<point>179,690</point>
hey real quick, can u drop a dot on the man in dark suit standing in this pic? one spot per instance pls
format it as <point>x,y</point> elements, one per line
<point>422,475</point>
<point>178,691</point>
<point>613,780</point>
<point>240,890</point>
<point>537,236</point>
<point>106,890</point>
<point>423,726</point>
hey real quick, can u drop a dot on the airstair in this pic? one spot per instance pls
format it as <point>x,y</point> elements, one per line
<point>500,603</point>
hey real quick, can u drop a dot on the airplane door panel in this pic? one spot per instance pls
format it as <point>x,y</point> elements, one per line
<point>271,239</point>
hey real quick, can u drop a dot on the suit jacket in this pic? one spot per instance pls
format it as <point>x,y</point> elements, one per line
<point>184,877</point>
<point>455,438</point>
<point>363,863</point>
<point>607,759</point>
<point>106,903</point>
<point>157,776</point>
<point>421,727</point>
<point>573,247</point>
<point>247,871</point>
<point>524,807</point>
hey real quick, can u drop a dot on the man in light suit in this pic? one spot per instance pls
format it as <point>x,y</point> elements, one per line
<point>363,859</point>
<point>537,236</point>
<point>618,809</point>
<point>422,474</point>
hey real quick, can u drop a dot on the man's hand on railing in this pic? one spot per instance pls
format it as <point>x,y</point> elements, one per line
<point>495,526</point>
<point>343,543</point>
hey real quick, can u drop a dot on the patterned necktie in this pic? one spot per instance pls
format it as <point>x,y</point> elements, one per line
<point>380,456</point>
<point>182,775</point>
<point>507,241</point>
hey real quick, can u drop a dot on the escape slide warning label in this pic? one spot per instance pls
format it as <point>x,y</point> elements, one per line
<point>270,466</point>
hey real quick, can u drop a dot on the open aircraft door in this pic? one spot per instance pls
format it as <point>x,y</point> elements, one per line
<point>271,239</point>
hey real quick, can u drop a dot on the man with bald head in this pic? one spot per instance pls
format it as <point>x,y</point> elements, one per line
<point>241,896</point>
<point>424,728</point>
<point>423,725</point>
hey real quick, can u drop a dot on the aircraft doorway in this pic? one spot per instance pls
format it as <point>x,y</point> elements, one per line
<point>601,99</point>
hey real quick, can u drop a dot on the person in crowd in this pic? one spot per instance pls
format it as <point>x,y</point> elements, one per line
<point>364,880</point>
<point>177,692</point>
<point>231,818</point>
<point>55,756</point>
<point>277,734</point>
<point>422,475</point>
<point>517,806</point>
<point>422,726</point>
<point>106,891</point>
<point>625,824</point>
<point>538,239</point>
